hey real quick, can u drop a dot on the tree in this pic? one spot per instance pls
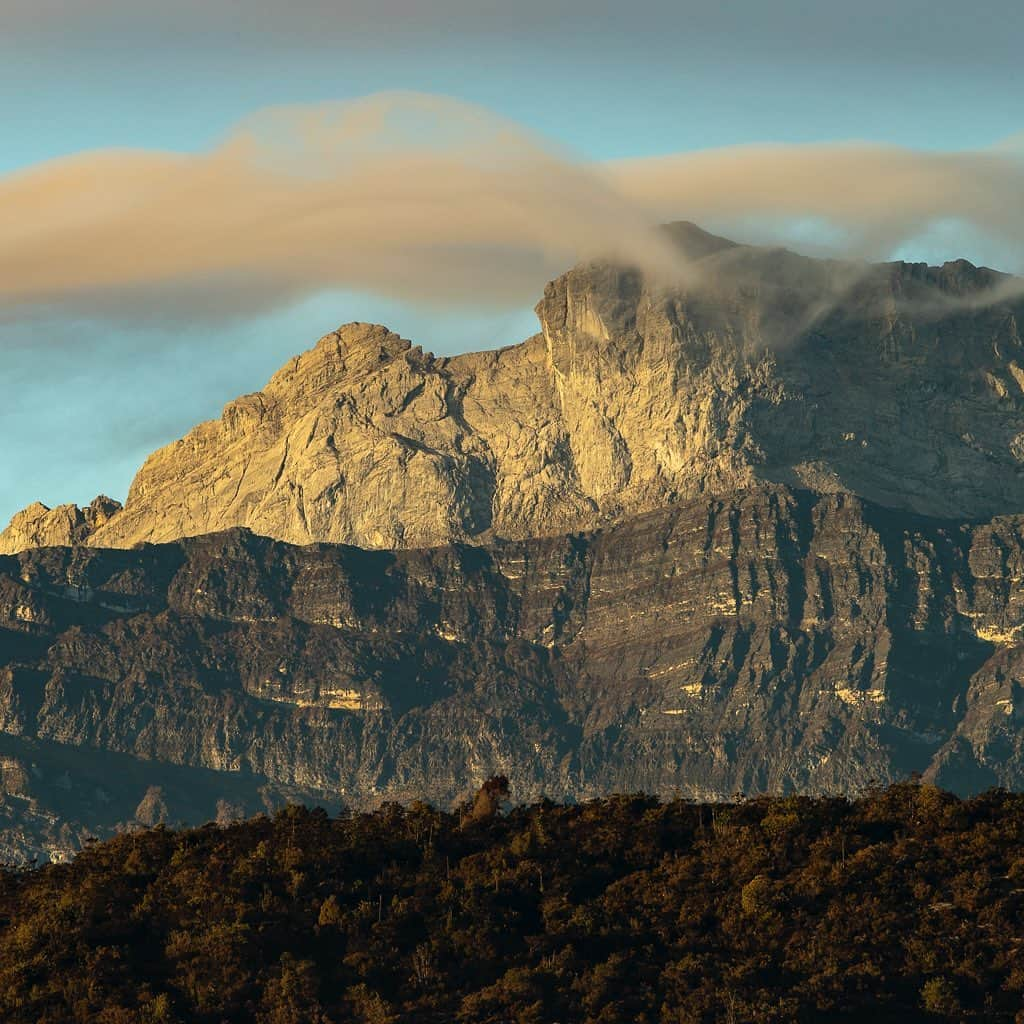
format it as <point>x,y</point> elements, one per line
<point>939,996</point>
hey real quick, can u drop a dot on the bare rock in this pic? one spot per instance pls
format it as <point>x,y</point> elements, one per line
<point>900,383</point>
<point>38,526</point>
<point>773,641</point>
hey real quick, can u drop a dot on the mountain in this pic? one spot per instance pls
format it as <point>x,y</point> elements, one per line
<point>39,526</point>
<point>901,383</point>
<point>781,640</point>
<point>758,532</point>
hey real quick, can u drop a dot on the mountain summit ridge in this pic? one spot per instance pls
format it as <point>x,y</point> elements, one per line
<point>899,382</point>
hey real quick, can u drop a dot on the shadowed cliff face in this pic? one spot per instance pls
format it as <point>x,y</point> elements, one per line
<point>773,641</point>
<point>733,536</point>
<point>901,383</point>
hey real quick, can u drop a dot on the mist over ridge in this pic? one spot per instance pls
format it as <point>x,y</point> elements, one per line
<point>433,200</point>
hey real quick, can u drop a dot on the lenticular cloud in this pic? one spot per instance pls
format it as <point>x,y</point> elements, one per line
<point>428,199</point>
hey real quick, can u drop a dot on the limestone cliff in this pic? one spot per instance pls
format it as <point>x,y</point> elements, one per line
<point>778,640</point>
<point>38,526</point>
<point>901,383</point>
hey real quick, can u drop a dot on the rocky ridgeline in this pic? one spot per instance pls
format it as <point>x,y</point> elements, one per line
<point>901,383</point>
<point>777,640</point>
<point>40,526</point>
<point>758,533</point>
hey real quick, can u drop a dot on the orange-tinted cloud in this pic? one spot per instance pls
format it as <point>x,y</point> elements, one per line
<point>415,196</point>
<point>872,197</point>
<point>425,198</point>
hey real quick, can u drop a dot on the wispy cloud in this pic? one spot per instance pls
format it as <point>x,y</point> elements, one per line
<point>415,196</point>
<point>869,199</point>
<point>429,199</point>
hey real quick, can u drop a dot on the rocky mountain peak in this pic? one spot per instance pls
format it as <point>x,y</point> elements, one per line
<point>899,382</point>
<point>744,533</point>
<point>354,348</point>
<point>38,525</point>
<point>694,242</point>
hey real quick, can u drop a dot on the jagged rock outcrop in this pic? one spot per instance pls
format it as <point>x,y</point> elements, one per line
<point>777,640</point>
<point>901,383</point>
<point>38,526</point>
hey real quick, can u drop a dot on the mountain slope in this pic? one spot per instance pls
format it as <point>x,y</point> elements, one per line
<point>901,383</point>
<point>674,543</point>
<point>779,640</point>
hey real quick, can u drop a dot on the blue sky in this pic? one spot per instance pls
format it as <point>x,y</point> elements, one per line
<point>88,399</point>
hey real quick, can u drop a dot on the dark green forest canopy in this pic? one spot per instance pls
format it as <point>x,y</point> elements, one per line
<point>906,904</point>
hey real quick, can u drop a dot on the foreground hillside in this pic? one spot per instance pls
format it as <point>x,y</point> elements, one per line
<point>905,905</point>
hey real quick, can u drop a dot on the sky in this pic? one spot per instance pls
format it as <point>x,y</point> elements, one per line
<point>594,117</point>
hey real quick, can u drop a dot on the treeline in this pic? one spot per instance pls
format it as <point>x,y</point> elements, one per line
<point>905,905</point>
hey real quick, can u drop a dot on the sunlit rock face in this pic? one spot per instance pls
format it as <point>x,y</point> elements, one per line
<point>39,526</point>
<point>901,383</point>
<point>758,533</point>
<point>778,640</point>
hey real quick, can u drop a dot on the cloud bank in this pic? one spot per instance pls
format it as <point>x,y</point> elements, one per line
<point>414,196</point>
<point>428,199</point>
<point>869,198</point>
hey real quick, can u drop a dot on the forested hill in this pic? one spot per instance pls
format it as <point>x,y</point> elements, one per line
<point>906,904</point>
